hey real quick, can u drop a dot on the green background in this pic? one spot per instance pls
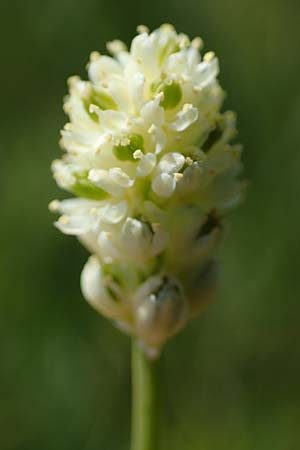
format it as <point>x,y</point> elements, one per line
<point>231,380</point>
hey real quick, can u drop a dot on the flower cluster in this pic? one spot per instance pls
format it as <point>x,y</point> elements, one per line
<point>148,156</point>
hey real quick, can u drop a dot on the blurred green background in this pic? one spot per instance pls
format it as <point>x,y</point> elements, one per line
<point>231,380</point>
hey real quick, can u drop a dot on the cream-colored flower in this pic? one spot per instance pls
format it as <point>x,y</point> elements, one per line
<point>148,156</point>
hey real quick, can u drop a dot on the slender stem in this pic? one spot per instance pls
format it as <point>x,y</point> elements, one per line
<point>144,400</point>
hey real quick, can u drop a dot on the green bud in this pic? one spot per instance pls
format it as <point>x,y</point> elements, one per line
<point>125,152</point>
<point>161,313</point>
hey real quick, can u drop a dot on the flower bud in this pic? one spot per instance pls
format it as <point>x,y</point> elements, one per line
<point>136,237</point>
<point>160,312</point>
<point>102,291</point>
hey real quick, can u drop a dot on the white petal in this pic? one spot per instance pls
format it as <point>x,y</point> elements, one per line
<point>77,217</point>
<point>108,250</point>
<point>113,212</point>
<point>136,89</point>
<point>89,240</point>
<point>206,72</point>
<point>63,173</point>
<point>193,57</point>
<point>144,52</point>
<point>158,137</point>
<point>176,63</point>
<point>75,206</point>
<point>82,141</point>
<point>185,118</point>
<point>91,280</point>
<point>146,165</point>
<point>131,69</point>
<point>94,289</point>
<point>77,224</point>
<point>153,113</point>
<point>138,44</point>
<point>120,177</point>
<point>136,237</point>
<point>117,89</point>
<point>193,177</point>
<point>171,162</point>
<point>147,288</point>
<point>101,67</point>
<point>112,120</point>
<point>164,184</point>
<point>102,179</point>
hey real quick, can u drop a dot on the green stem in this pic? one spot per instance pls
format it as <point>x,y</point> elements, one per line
<point>144,400</point>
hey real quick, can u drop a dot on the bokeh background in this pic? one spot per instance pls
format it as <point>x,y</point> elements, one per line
<point>231,380</point>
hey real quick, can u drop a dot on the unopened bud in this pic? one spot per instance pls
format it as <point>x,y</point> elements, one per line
<point>161,310</point>
<point>136,237</point>
<point>102,291</point>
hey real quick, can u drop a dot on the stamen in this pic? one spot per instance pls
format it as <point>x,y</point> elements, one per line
<point>178,176</point>
<point>64,219</point>
<point>197,43</point>
<point>54,205</point>
<point>142,29</point>
<point>209,56</point>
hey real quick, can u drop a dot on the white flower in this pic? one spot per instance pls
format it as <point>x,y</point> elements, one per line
<point>148,155</point>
